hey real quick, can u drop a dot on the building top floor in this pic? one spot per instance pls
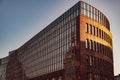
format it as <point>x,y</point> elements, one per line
<point>80,8</point>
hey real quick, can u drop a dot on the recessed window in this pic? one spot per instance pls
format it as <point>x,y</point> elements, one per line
<point>100,33</point>
<point>94,30</point>
<point>90,76</point>
<point>90,29</point>
<point>87,28</point>
<point>60,78</point>
<point>96,46</point>
<point>97,31</point>
<point>90,44</point>
<point>93,46</point>
<point>90,61</point>
<point>87,43</point>
<point>53,78</point>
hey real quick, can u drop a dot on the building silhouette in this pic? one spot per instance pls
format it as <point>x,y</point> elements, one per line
<point>76,46</point>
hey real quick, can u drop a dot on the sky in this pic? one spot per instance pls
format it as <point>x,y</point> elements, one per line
<point>20,20</point>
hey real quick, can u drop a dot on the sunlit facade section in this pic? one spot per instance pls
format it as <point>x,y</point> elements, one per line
<point>96,41</point>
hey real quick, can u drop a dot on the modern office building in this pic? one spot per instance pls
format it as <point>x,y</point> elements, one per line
<point>76,46</point>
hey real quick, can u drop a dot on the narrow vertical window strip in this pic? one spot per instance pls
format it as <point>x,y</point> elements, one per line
<point>93,46</point>
<point>87,43</point>
<point>94,29</point>
<point>90,45</point>
<point>96,47</point>
<point>87,28</point>
<point>90,59</point>
<point>90,76</point>
<point>90,29</point>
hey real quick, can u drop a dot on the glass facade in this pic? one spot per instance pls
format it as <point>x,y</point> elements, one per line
<point>93,13</point>
<point>45,53</point>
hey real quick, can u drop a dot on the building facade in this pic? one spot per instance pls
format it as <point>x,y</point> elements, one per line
<point>3,66</point>
<point>76,46</point>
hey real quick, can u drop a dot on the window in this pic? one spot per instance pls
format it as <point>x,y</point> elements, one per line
<point>90,29</point>
<point>90,76</point>
<point>96,46</point>
<point>53,78</point>
<point>100,48</point>
<point>87,43</point>
<point>91,44</point>
<point>87,10</point>
<point>97,32</point>
<point>90,61</point>
<point>60,78</point>
<point>100,33</point>
<point>82,11</point>
<point>94,30</point>
<point>87,28</point>
<point>94,61</point>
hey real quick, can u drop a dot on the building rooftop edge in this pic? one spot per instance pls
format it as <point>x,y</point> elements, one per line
<point>42,31</point>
